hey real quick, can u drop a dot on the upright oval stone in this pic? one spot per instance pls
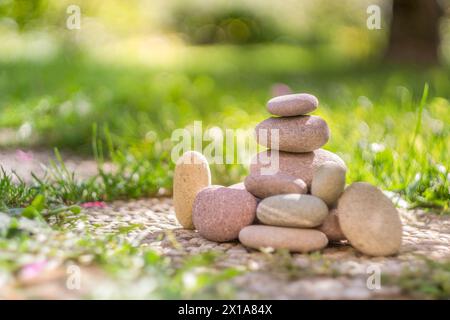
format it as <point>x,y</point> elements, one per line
<point>219,213</point>
<point>269,185</point>
<point>191,175</point>
<point>369,220</point>
<point>292,210</point>
<point>293,134</point>
<point>298,165</point>
<point>292,104</point>
<point>331,227</point>
<point>292,239</point>
<point>328,182</point>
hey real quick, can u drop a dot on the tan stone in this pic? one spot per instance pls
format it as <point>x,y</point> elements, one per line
<point>328,182</point>
<point>292,210</point>
<point>292,239</point>
<point>369,220</point>
<point>292,104</point>
<point>293,134</point>
<point>191,174</point>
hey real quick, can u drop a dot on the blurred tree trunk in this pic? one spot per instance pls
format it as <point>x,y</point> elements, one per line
<point>414,35</point>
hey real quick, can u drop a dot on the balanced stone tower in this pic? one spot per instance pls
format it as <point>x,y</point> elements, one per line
<point>300,204</point>
<point>300,138</point>
<point>288,210</point>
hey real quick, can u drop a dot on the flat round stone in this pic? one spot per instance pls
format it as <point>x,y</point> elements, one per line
<point>292,239</point>
<point>292,210</point>
<point>292,104</point>
<point>293,134</point>
<point>270,185</point>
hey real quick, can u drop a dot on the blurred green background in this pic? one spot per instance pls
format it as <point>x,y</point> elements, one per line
<point>136,70</point>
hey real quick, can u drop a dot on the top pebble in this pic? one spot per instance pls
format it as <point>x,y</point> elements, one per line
<point>292,104</point>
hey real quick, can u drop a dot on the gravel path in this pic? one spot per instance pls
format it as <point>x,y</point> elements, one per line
<point>425,234</point>
<point>337,272</point>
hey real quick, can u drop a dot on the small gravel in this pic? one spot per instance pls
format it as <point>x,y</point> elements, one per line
<point>425,234</point>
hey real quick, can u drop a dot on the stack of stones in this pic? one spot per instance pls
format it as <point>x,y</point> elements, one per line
<point>302,206</point>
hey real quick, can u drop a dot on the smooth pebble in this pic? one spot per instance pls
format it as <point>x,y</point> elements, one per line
<point>263,186</point>
<point>292,104</point>
<point>328,182</point>
<point>191,174</point>
<point>369,220</point>
<point>219,213</point>
<point>331,227</point>
<point>293,134</point>
<point>292,239</point>
<point>292,210</point>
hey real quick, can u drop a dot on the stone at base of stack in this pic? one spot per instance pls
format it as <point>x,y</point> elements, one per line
<point>219,213</point>
<point>292,239</point>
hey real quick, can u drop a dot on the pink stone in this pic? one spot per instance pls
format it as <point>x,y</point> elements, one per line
<point>263,186</point>
<point>292,104</point>
<point>295,134</point>
<point>219,213</point>
<point>331,227</point>
<point>298,165</point>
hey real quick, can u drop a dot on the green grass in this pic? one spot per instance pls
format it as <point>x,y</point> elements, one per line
<point>380,125</point>
<point>432,281</point>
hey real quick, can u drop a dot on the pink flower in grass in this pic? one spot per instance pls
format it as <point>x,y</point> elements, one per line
<point>24,156</point>
<point>32,270</point>
<point>94,204</point>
